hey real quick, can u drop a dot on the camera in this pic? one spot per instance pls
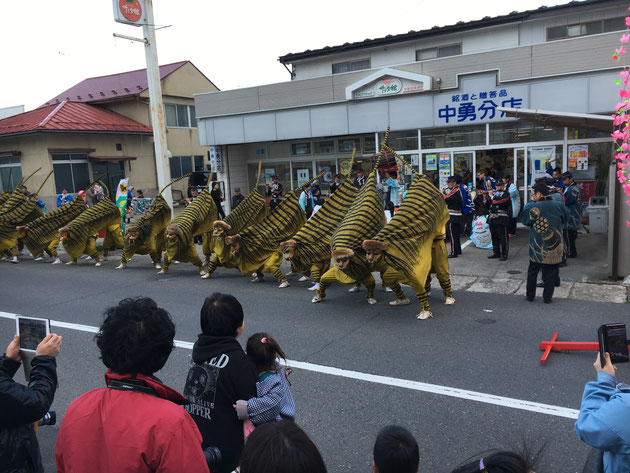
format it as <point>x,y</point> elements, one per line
<point>213,457</point>
<point>50,418</point>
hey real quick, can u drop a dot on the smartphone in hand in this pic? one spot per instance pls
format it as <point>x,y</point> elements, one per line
<point>614,340</point>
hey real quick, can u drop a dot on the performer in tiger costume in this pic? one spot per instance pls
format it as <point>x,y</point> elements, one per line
<point>79,236</point>
<point>439,267</point>
<point>196,219</point>
<point>257,247</point>
<point>309,250</point>
<point>364,220</point>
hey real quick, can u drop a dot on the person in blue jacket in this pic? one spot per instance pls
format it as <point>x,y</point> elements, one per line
<point>573,201</point>
<point>306,201</point>
<point>64,198</point>
<point>604,419</point>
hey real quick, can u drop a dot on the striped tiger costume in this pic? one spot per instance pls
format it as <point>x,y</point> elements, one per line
<point>404,244</point>
<point>257,247</point>
<point>364,220</point>
<point>24,212</point>
<point>4,196</point>
<point>196,219</point>
<point>439,267</point>
<point>42,234</point>
<point>252,210</point>
<point>79,236</point>
<point>145,236</point>
<point>309,250</point>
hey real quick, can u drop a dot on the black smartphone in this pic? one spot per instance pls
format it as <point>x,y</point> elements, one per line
<point>613,339</point>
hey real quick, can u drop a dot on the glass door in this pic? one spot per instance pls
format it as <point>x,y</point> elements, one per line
<point>464,165</point>
<point>520,173</point>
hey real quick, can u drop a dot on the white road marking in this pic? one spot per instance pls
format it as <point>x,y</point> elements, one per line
<point>512,403</point>
<point>466,244</point>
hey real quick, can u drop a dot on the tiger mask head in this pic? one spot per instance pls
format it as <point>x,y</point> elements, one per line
<point>173,232</point>
<point>22,230</point>
<point>374,250</point>
<point>288,249</point>
<point>234,241</point>
<point>220,228</point>
<point>342,258</point>
<point>63,234</point>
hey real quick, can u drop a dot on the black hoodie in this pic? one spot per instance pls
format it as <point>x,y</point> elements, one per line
<point>221,374</point>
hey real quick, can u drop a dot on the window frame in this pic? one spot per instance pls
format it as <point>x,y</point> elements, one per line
<point>438,50</point>
<point>351,65</point>
<point>181,168</point>
<point>189,117</point>
<point>83,159</point>
<point>582,28</point>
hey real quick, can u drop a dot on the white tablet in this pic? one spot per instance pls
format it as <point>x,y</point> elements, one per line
<point>31,331</point>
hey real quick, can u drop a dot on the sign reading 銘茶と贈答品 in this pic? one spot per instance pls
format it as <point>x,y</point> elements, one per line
<point>130,12</point>
<point>478,104</point>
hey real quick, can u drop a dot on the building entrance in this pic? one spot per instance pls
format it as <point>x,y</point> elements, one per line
<point>115,172</point>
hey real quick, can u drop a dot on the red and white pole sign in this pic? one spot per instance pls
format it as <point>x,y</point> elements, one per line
<point>130,12</point>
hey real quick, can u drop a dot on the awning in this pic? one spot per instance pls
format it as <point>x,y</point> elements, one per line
<point>10,154</point>
<point>561,119</point>
<point>112,158</point>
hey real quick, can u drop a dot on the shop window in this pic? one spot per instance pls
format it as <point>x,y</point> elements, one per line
<point>586,28</point>
<point>454,137</point>
<point>523,132</point>
<point>582,133</point>
<point>281,169</point>
<point>180,165</point>
<point>299,149</point>
<point>440,51</point>
<point>302,172</point>
<point>369,144</point>
<point>592,173</point>
<point>330,169</point>
<point>198,163</point>
<point>350,66</point>
<point>71,171</point>
<point>401,140</point>
<point>346,145</point>
<point>10,167</point>
<point>324,147</point>
<point>180,116</point>
<point>193,117</point>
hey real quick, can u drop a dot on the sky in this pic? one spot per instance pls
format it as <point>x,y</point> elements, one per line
<point>50,45</point>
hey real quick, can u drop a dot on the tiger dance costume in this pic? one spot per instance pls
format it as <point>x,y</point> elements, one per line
<point>257,248</point>
<point>79,236</point>
<point>252,210</point>
<point>145,236</point>
<point>364,220</point>
<point>196,219</point>
<point>42,234</point>
<point>309,250</point>
<point>404,244</point>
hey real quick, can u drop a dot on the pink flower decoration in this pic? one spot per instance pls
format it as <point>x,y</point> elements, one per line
<point>625,74</point>
<point>628,20</point>
<point>625,38</point>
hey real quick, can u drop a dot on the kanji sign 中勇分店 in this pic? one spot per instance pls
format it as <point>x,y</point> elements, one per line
<point>476,107</point>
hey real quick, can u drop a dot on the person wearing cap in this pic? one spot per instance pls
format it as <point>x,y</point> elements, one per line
<point>454,202</point>
<point>274,190</point>
<point>500,206</point>
<point>237,198</point>
<point>335,184</point>
<point>573,201</point>
<point>360,180</point>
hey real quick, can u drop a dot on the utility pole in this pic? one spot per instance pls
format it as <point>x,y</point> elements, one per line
<point>140,13</point>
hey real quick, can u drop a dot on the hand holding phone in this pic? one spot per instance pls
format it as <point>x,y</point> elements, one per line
<point>613,342</point>
<point>606,366</point>
<point>50,345</point>
<point>13,350</point>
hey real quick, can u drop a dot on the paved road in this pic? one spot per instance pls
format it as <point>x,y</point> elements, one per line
<point>486,343</point>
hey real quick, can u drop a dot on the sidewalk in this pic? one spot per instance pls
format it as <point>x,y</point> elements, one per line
<point>584,277</point>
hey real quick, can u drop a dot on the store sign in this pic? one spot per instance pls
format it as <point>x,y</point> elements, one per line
<point>388,87</point>
<point>478,106</point>
<point>388,82</point>
<point>445,168</point>
<point>578,157</point>
<point>130,12</point>
<point>216,162</point>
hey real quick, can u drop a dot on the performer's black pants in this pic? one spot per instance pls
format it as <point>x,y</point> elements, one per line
<point>221,211</point>
<point>453,230</point>
<point>500,243</point>
<point>550,274</point>
<point>273,203</point>
<point>468,220</point>
<point>512,227</point>
<point>569,237</point>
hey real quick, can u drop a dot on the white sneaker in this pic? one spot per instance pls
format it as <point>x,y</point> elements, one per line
<point>314,287</point>
<point>257,279</point>
<point>39,258</point>
<point>4,258</point>
<point>284,284</point>
<point>354,289</point>
<point>57,261</point>
<point>424,315</point>
<point>387,289</point>
<point>84,256</point>
<point>71,262</point>
<point>175,261</point>
<point>162,271</point>
<point>98,264</point>
<point>88,258</point>
<point>206,275</point>
<point>157,266</point>
<point>449,301</point>
<point>404,301</point>
<point>202,273</point>
<point>121,266</point>
<point>316,299</point>
<point>372,301</point>
<point>14,260</point>
<point>303,278</point>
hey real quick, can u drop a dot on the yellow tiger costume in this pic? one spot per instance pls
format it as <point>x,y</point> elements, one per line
<point>257,247</point>
<point>252,210</point>
<point>405,242</point>
<point>145,236</point>
<point>439,267</point>
<point>309,250</point>
<point>196,219</point>
<point>42,234</point>
<point>79,236</point>
<point>364,220</point>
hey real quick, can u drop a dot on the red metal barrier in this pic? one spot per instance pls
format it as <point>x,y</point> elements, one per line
<point>553,345</point>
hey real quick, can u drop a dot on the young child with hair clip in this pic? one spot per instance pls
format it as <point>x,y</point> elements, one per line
<point>273,401</point>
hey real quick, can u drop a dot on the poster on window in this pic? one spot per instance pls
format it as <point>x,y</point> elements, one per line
<point>431,160</point>
<point>302,177</point>
<point>327,177</point>
<point>269,172</point>
<point>578,157</point>
<point>345,166</point>
<point>445,168</point>
<point>540,159</point>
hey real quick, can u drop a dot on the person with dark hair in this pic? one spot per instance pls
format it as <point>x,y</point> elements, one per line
<point>500,462</point>
<point>335,184</point>
<point>500,207</point>
<point>515,200</point>
<point>557,176</point>
<point>274,190</point>
<point>360,179</point>
<point>21,405</point>
<point>220,375</point>
<point>454,202</point>
<point>395,451</point>
<point>237,198</point>
<point>545,219</point>
<point>216,195</point>
<point>136,423</point>
<point>468,207</point>
<point>281,447</point>
<point>573,202</point>
<point>273,401</point>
